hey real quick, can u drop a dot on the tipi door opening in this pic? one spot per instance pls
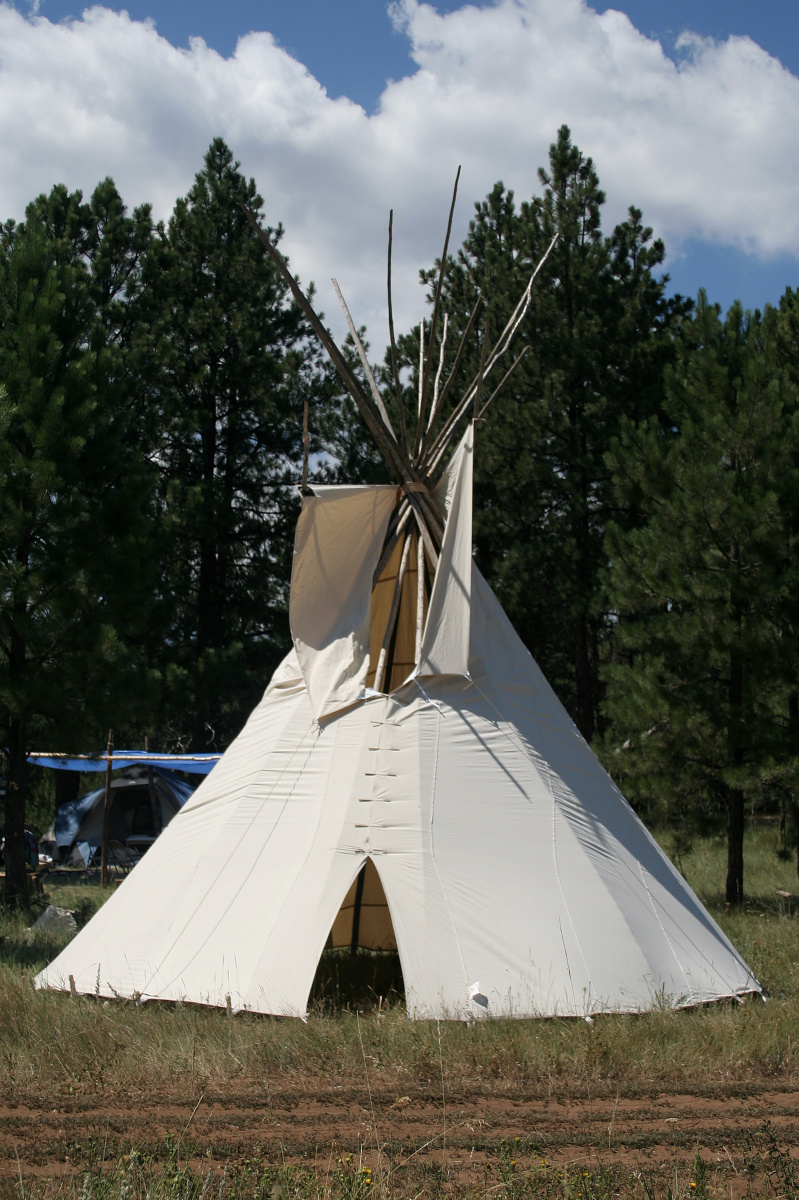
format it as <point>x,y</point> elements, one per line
<point>360,964</point>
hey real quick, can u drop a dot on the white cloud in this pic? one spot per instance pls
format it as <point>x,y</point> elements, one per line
<point>707,146</point>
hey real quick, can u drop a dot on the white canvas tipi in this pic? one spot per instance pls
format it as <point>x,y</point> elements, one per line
<point>409,779</point>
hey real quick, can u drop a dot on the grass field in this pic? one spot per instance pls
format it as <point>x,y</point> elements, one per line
<point>360,1101</point>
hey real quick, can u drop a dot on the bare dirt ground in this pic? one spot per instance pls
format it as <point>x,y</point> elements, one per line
<point>256,1121</point>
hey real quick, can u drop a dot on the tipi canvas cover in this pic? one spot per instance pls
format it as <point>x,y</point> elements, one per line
<point>484,837</point>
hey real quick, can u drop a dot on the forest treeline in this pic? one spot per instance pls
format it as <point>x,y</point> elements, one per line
<point>636,486</point>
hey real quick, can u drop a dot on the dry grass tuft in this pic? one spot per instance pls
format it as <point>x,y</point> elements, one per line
<point>84,1066</point>
<point>49,1040</point>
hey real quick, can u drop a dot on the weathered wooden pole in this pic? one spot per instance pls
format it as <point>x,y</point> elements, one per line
<point>109,759</point>
<point>306,442</point>
<point>356,912</point>
<point>392,616</point>
<point>419,598</point>
<point>378,399</point>
<point>394,365</point>
<point>155,808</point>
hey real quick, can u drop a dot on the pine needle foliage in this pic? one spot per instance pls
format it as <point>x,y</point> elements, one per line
<point>698,683</point>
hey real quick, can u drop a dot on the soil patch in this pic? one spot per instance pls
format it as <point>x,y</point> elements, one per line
<point>258,1121</point>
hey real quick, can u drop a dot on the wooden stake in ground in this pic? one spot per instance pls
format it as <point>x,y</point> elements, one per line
<point>109,760</point>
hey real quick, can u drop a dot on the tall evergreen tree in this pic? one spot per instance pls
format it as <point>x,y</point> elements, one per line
<point>695,702</point>
<point>784,779</point>
<point>599,330</point>
<point>73,490</point>
<point>231,367</point>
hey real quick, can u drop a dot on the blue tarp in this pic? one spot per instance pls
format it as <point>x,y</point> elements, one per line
<point>194,764</point>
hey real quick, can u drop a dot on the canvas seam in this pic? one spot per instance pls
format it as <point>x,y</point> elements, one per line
<point>156,970</point>
<point>563,894</point>
<point>301,868</point>
<point>433,851</point>
<point>527,754</point>
<point>701,954</point>
<point>663,929</point>
<point>717,932</point>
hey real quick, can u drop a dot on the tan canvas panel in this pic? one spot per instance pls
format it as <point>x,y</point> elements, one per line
<point>402,649</point>
<point>375,931</point>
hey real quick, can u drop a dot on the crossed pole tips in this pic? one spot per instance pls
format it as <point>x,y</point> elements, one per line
<point>417,455</point>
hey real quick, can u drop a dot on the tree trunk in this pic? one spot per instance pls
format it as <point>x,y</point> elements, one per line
<point>735,797</point>
<point>16,885</point>
<point>735,846</point>
<point>155,808</point>
<point>67,784</point>
<point>793,727</point>
<point>109,765</point>
<point>584,678</point>
<point>203,718</point>
<point>585,671</point>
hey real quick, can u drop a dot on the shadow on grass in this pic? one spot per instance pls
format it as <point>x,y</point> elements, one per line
<point>761,904</point>
<point>24,946</point>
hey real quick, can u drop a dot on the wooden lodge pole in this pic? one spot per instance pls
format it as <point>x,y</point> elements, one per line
<point>394,366</point>
<point>356,912</point>
<point>392,616</point>
<point>109,759</point>
<point>419,598</point>
<point>155,808</point>
<point>378,399</point>
<point>478,394</point>
<point>431,433</point>
<point>426,368</point>
<point>306,442</point>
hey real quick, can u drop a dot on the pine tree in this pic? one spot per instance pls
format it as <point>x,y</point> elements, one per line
<point>784,778</point>
<point>231,367</point>
<point>599,331</point>
<point>73,495</point>
<point>694,694</point>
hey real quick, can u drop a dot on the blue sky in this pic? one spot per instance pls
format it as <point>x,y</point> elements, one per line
<point>733,244</point>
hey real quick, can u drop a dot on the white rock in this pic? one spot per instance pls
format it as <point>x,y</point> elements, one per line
<point>56,920</point>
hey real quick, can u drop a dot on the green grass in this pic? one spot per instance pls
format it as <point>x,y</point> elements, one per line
<point>52,1046</point>
<point>704,868</point>
<point>762,1168</point>
<point>82,1043</point>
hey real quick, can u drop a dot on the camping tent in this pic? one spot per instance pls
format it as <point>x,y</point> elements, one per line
<point>136,816</point>
<point>409,778</point>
